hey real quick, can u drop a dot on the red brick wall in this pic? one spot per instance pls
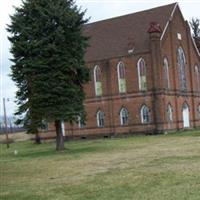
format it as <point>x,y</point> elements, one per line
<point>170,45</point>
<point>111,101</point>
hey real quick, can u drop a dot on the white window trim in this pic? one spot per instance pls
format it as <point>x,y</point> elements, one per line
<point>198,111</point>
<point>197,74</point>
<point>118,74</point>
<point>170,113</point>
<point>181,52</point>
<point>79,122</point>
<point>141,114</point>
<point>139,77</point>
<point>95,81</point>
<point>168,81</point>
<point>97,116</point>
<point>121,117</point>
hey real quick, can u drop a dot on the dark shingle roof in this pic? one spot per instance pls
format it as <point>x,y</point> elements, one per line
<point>112,37</point>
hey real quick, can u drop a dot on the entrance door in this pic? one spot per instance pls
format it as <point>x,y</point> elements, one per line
<point>186,116</point>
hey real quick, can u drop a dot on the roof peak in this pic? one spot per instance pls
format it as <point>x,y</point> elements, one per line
<point>137,12</point>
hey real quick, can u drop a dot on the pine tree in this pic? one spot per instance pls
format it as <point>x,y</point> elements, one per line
<point>48,68</point>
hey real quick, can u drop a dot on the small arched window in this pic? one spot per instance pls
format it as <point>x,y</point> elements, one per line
<point>181,68</point>
<point>186,115</point>
<point>81,122</point>
<point>97,81</point>
<point>123,116</point>
<point>198,111</point>
<point>169,113</point>
<point>141,65</point>
<point>197,77</point>
<point>145,118</point>
<point>121,77</point>
<point>166,73</point>
<point>100,118</point>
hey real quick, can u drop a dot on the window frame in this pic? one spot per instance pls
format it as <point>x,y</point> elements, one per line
<point>121,79</point>
<point>100,116</point>
<point>198,111</point>
<point>143,121</point>
<point>181,60</point>
<point>96,70</point>
<point>197,77</point>
<point>139,75</point>
<point>122,116</point>
<point>169,113</point>
<point>166,75</point>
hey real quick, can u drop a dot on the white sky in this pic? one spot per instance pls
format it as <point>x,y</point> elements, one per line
<point>96,9</point>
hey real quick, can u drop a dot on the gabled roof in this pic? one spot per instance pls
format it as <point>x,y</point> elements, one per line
<point>114,37</point>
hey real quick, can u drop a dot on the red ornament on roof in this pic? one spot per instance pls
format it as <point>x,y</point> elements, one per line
<point>154,28</point>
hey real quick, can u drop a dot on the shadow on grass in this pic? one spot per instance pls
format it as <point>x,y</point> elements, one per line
<point>33,151</point>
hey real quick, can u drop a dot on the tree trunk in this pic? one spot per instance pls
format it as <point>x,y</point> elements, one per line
<point>59,136</point>
<point>37,138</point>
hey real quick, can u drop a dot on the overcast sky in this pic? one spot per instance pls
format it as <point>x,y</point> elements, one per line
<point>96,10</point>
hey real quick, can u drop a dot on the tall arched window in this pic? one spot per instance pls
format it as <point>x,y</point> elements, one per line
<point>166,73</point>
<point>197,77</point>
<point>100,118</point>
<point>181,68</point>
<point>123,116</point>
<point>121,77</point>
<point>97,81</point>
<point>169,113</point>
<point>145,118</point>
<point>142,74</point>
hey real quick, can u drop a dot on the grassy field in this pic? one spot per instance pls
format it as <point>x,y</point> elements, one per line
<point>165,167</point>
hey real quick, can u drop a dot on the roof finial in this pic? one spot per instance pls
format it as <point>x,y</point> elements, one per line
<point>154,28</point>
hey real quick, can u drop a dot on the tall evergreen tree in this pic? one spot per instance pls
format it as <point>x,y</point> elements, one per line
<point>48,68</point>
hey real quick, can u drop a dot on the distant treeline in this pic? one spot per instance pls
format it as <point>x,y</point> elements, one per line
<point>11,126</point>
<point>11,130</point>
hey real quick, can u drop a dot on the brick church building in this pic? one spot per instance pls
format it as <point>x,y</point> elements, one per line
<point>145,76</point>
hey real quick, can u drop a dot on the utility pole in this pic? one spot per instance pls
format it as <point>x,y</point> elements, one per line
<point>5,121</point>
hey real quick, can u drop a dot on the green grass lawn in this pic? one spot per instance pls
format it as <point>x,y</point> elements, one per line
<point>135,168</point>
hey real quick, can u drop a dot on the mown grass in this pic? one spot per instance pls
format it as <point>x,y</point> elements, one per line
<point>164,167</point>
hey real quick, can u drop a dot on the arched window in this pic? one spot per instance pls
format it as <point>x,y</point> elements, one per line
<point>181,68</point>
<point>145,118</point>
<point>97,81</point>
<point>123,116</point>
<point>198,111</point>
<point>169,113</point>
<point>100,118</point>
<point>142,74</point>
<point>121,77</point>
<point>197,74</point>
<point>166,73</point>
<point>186,115</point>
<point>81,122</point>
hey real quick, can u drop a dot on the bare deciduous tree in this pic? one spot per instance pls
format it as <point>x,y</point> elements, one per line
<point>195,25</point>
